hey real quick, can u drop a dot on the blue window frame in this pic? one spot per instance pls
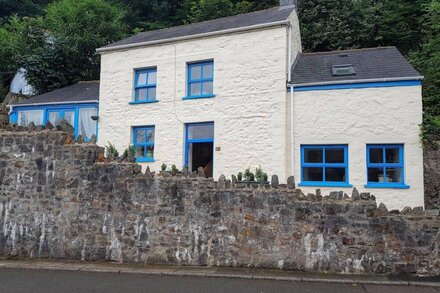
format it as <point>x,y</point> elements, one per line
<point>145,83</point>
<point>385,166</point>
<point>83,117</point>
<point>324,165</point>
<point>200,80</point>
<point>143,141</point>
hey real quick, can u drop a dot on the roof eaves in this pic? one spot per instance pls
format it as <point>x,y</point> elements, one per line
<point>196,36</point>
<point>353,81</point>
<point>53,103</point>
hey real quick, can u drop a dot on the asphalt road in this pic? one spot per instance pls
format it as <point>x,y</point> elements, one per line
<point>35,281</point>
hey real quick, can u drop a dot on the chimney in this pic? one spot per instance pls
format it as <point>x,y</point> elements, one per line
<point>288,3</point>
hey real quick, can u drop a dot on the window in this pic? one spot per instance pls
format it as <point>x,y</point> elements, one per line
<point>200,80</point>
<point>385,168</point>
<point>343,70</point>
<point>145,86</point>
<point>26,117</point>
<point>86,125</point>
<point>55,116</point>
<point>143,141</point>
<point>324,165</point>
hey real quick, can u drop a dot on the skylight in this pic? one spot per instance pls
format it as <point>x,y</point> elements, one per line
<point>342,70</point>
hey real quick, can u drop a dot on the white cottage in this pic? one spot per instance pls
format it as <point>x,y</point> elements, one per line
<point>219,95</point>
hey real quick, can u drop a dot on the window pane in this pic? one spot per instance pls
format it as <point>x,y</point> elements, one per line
<point>54,118</point>
<point>313,155</point>
<point>141,94</point>
<point>150,135</point>
<point>313,174</point>
<point>392,155</point>
<point>142,78</point>
<point>334,156</point>
<point>152,94</point>
<point>87,126</point>
<point>375,175</point>
<point>196,89</point>
<point>202,131</point>
<point>394,175</point>
<point>70,117</point>
<point>376,155</point>
<point>208,71</point>
<point>152,76</point>
<point>140,152</point>
<point>140,135</point>
<point>196,72</point>
<point>207,88</point>
<point>150,152</point>
<point>335,174</point>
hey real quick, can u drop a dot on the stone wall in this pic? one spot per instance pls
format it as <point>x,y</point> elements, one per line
<point>432,175</point>
<point>58,201</point>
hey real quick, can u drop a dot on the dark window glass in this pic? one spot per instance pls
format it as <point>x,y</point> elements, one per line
<point>312,155</point>
<point>313,174</point>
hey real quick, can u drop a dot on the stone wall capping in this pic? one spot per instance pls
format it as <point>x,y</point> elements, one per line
<point>355,194</point>
<point>291,182</point>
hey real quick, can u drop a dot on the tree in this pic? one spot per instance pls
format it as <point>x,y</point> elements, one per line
<point>427,61</point>
<point>336,24</point>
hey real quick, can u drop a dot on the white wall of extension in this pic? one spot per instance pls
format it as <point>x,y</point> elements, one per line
<point>248,110</point>
<point>358,117</point>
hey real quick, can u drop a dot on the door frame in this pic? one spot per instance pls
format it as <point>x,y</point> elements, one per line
<point>194,141</point>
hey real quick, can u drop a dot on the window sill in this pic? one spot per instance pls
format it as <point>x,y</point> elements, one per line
<point>387,185</point>
<point>198,97</point>
<point>142,102</point>
<point>145,160</point>
<point>325,184</point>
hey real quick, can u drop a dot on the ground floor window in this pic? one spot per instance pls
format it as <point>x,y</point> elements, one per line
<point>83,118</point>
<point>324,165</point>
<point>26,117</point>
<point>143,141</point>
<point>385,165</point>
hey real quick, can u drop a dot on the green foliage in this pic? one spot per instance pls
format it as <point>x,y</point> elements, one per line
<point>248,175</point>
<point>111,151</point>
<point>174,169</point>
<point>240,176</point>
<point>130,151</point>
<point>163,167</point>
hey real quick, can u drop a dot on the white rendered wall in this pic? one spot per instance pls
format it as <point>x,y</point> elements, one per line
<point>358,117</point>
<point>248,110</point>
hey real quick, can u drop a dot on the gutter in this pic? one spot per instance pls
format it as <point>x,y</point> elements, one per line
<point>52,103</point>
<point>356,81</point>
<point>204,35</point>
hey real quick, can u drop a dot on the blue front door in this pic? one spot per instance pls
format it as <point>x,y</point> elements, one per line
<point>199,147</point>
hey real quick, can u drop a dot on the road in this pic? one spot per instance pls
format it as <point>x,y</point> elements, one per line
<point>35,281</point>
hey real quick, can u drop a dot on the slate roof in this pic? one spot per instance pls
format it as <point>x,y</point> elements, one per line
<point>83,91</point>
<point>373,63</point>
<point>238,21</point>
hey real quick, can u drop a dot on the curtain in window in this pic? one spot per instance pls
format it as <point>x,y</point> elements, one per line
<point>26,117</point>
<point>87,126</point>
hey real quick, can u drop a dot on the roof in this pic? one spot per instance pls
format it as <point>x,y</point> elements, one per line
<point>82,92</point>
<point>383,63</point>
<point>261,17</point>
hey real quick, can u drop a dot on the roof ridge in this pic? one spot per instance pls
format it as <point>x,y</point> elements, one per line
<point>349,50</point>
<point>206,21</point>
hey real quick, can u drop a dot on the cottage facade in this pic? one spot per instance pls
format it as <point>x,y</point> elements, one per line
<point>237,92</point>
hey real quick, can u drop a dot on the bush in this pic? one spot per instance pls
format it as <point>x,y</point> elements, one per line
<point>111,151</point>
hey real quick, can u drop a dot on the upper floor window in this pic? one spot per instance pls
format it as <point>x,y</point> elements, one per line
<point>143,141</point>
<point>200,80</point>
<point>324,165</point>
<point>385,166</point>
<point>145,85</point>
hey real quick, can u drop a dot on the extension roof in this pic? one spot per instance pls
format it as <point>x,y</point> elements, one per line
<point>268,16</point>
<point>82,92</point>
<point>374,64</point>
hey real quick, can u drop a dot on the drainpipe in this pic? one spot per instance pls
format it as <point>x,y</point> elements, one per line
<point>289,74</point>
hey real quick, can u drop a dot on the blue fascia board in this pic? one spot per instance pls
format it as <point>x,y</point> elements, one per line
<point>325,184</point>
<point>198,97</point>
<point>387,185</point>
<point>143,102</point>
<point>356,85</point>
